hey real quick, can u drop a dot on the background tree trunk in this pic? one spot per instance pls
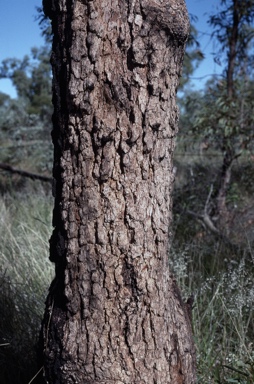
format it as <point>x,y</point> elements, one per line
<point>114,313</point>
<point>230,154</point>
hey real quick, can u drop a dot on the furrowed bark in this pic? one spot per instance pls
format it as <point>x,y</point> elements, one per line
<point>114,312</point>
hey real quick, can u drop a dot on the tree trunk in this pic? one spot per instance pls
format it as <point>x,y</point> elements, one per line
<point>232,53</point>
<point>114,313</point>
<point>229,154</point>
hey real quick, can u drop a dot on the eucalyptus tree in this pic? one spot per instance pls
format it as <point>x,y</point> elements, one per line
<point>25,122</point>
<point>234,31</point>
<point>222,117</point>
<point>114,312</point>
<point>31,76</point>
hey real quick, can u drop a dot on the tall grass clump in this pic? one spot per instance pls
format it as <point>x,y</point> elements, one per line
<point>222,313</point>
<point>25,274</point>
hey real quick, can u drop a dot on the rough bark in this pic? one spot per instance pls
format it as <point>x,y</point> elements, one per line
<point>114,313</point>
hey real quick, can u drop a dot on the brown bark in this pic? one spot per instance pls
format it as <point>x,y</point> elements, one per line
<point>114,313</point>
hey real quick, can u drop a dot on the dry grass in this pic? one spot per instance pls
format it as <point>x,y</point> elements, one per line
<point>222,283</point>
<point>25,274</point>
<point>223,311</point>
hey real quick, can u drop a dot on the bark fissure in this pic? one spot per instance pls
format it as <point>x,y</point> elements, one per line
<point>116,68</point>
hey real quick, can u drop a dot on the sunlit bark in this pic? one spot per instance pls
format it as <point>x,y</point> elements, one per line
<point>114,313</point>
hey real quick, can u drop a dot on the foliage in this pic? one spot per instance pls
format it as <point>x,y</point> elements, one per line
<point>25,140</point>
<point>44,24</point>
<point>31,77</point>
<point>220,116</point>
<point>226,124</point>
<point>238,13</point>
<point>212,114</point>
<point>25,122</point>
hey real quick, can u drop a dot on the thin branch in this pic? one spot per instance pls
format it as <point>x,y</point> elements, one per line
<point>206,219</point>
<point>208,199</point>
<point>35,375</point>
<point>30,175</point>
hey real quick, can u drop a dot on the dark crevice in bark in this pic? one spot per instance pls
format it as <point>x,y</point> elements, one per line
<point>155,127</point>
<point>131,62</point>
<point>59,237</point>
<point>120,152</point>
<point>130,279</point>
<point>126,337</point>
<point>132,116</point>
<point>127,90</point>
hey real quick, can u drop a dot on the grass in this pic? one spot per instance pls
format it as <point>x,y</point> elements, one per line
<point>220,279</point>
<point>218,274</point>
<point>222,313</point>
<point>25,274</point>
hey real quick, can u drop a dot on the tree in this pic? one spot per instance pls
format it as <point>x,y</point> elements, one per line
<point>220,116</point>
<point>234,31</point>
<point>31,77</point>
<point>114,312</point>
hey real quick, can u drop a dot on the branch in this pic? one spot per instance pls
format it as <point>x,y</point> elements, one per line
<point>30,175</point>
<point>208,200</point>
<point>206,219</point>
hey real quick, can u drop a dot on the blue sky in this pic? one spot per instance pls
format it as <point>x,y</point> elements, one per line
<point>203,9</point>
<point>19,32</point>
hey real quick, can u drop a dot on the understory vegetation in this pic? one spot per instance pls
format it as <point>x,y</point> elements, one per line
<point>25,275</point>
<point>222,315</point>
<point>212,251</point>
<point>218,272</point>
<point>219,275</point>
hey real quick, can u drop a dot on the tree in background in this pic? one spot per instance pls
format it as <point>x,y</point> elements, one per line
<point>25,122</point>
<point>220,116</point>
<point>114,312</point>
<point>31,77</point>
<point>234,31</point>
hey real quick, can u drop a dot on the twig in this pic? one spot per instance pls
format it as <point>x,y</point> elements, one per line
<point>35,375</point>
<point>30,175</point>
<point>208,199</point>
<point>47,332</point>
<point>50,315</point>
<point>236,370</point>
